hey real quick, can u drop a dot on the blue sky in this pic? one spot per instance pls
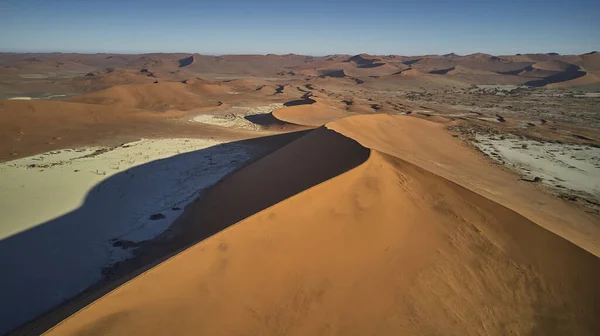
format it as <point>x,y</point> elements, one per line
<point>305,27</point>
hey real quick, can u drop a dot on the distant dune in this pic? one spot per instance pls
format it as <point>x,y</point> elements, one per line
<point>375,69</point>
<point>37,74</point>
<point>187,61</point>
<point>410,72</point>
<point>590,61</point>
<point>155,96</point>
<point>571,72</point>
<point>590,78</point>
<point>364,59</point>
<point>554,65</point>
<point>336,73</point>
<point>39,126</point>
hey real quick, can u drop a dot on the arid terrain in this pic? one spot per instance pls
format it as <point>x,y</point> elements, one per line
<point>300,195</point>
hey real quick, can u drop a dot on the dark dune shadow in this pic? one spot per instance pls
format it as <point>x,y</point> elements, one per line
<point>571,73</point>
<point>516,72</point>
<point>264,119</point>
<point>305,101</point>
<point>370,65</point>
<point>411,62</point>
<point>360,60</point>
<point>186,61</point>
<point>333,74</point>
<point>316,157</point>
<point>441,71</point>
<point>55,261</point>
<point>267,120</point>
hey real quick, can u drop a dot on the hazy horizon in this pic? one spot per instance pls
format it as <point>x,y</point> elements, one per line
<point>308,28</point>
<point>265,54</point>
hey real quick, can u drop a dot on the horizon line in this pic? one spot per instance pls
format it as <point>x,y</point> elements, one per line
<point>286,54</point>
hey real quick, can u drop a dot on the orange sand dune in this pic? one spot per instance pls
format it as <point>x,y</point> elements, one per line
<point>246,84</point>
<point>590,61</point>
<point>427,145</point>
<point>427,64</point>
<point>316,114</point>
<point>411,78</point>
<point>155,96</point>
<point>460,70</point>
<point>536,73</point>
<point>554,65</point>
<point>100,80</point>
<point>410,72</point>
<point>393,246</point>
<point>356,67</point>
<point>590,78</point>
<point>375,69</point>
<point>29,127</point>
<point>475,76</point>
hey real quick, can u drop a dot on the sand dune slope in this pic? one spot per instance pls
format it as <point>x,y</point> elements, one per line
<point>29,127</point>
<point>428,145</point>
<point>590,78</point>
<point>316,114</point>
<point>35,126</point>
<point>385,248</point>
<point>155,97</point>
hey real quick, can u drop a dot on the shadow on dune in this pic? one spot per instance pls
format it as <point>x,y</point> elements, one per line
<point>52,262</point>
<point>332,73</point>
<point>314,157</point>
<point>304,101</point>
<point>317,157</point>
<point>268,119</point>
<point>411,62</point>
<point>370,65</point>
<point>441,71</point>
<point>516,72</point>
<point>186,61</point>
<point>265,119</point>
<point>572,73</point>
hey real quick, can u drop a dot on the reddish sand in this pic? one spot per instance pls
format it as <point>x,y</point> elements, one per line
<point>590,78</point>
<point>156,97</point>
<point>316,114</point>
<point>31,127</point>
<point>427,145</point>
<point>412,241</point>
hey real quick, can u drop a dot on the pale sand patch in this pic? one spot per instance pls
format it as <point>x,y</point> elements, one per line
<point>588,95</point>
<point>235,117</point>
<point>560,166</point>
<point>37,98</point>
<point>501,87</point>
<point>61,179</point>
<point>34,76</point>
<point>62,217</point>
<point>21,98</point>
